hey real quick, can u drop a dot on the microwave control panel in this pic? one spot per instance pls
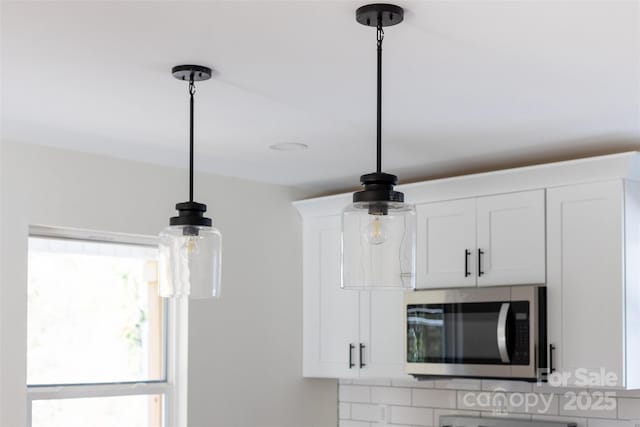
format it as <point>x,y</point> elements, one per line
<point>520,336</point>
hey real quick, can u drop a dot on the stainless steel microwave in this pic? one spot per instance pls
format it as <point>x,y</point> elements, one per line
<point>497,332</point>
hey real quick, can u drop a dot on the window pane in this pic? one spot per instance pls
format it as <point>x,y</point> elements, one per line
<point>130,411</point>
<point>93,313</point>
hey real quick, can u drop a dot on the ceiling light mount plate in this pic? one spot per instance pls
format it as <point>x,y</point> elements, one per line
<point>197,73</point>
<point>390,13</point>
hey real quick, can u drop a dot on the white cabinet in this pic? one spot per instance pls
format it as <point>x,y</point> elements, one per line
<point>446,244</point>
<point>381,334</point>
<point>484,241</point>
<point>511,236</point>
<point>593,284</point>
<point>331,315</point>
<point>346,334</point>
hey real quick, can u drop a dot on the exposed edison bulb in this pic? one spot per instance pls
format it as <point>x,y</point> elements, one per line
<point>191,245</point>
<point>375,231</point>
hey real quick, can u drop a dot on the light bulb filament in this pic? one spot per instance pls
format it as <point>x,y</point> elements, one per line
<point>376,227</point>
<point>376,230</point>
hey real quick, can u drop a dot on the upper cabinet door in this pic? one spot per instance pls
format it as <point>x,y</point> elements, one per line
<point>330,314</point>
<point>511,239</point>
<point>446,244</point>
<point>585,290</point>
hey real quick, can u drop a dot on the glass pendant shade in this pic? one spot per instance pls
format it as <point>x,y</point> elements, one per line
<point>190,261</point>
<point>379,246</point>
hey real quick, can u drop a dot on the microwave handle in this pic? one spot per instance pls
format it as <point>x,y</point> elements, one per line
<point>502,332</point>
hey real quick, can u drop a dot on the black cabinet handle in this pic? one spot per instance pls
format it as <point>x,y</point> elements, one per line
<point>362,364</point>
<point>467,254</point>
<point>552,348</point>
<point>351,364</point>
<point>480,253</point>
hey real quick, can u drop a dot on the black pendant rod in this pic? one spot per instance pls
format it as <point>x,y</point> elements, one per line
<point>380,37</point>
<point>378,186</point>
<point>192,91</point>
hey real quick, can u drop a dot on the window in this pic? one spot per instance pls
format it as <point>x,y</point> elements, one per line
<point>101,345</point>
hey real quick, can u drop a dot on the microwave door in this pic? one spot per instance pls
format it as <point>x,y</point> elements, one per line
<point>476,333</point>
<point>457,333</point>
<point>482,333</point>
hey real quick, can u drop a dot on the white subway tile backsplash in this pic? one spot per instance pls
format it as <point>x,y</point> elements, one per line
<point>350,423</point>
<point>580,422</point>
<point>365,412</point>
<point>412,416</point>
<point>505,386</point>
<point>504,403</point>
<point>595,422</point>
<point>628,393</point>
<point>437,413</point>
<point>515,416</point>
<point>405,402</point>
<point>589,404</point>
<point>629,409</point>
<point>468,400</point>
<point>344,411</point>
<point>391,395</point>
<point>354,393</point>
<point>533,403</point>
<point>546,388</point>
<point>434,398</point>
<point>412,382</point>
<point>372,381</point>
<point>458,384</point>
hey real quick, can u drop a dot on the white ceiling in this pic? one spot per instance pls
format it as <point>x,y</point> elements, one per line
<point>468,85</point>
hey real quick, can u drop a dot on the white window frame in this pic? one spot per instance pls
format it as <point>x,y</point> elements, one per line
<point>174,388</point>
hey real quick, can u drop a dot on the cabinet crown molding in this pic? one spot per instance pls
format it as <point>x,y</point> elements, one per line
<point>549,175</point>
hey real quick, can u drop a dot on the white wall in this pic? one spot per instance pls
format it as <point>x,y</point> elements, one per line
<point>245,349</point>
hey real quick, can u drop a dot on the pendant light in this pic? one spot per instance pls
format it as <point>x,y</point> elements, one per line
<point>190,248</point>
<point>379,228</point>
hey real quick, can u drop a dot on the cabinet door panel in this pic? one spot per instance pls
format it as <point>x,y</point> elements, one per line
<point>381,332</point>
<point>585,284</point>
<point>511,234</point>
<point>445,231</point>
<point>330,313</point>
